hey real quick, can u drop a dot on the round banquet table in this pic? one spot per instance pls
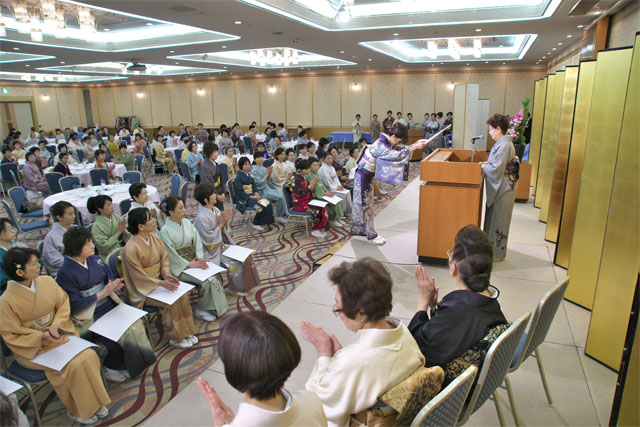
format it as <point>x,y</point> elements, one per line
<point>81,170</point>
<point>79,196</point>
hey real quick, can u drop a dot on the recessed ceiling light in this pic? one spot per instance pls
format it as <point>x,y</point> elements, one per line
<point>467,63</point>
<point>224,67</point>
<point>549,53</point>
<point>569,36</point>
<point>503,63</point>
<point>433,65</point>
<point>238,22</point>
<point>486,62</point>
<point>501,45</point>
<point>396,34</point>
<point>442,63</point>
<point>27,65</point>
<point>369,59</point>
<point>149,24</point>
<point>106,29</point>
<point>62,62</point>
<point>342,51</point>
<point>544,57</point>
<point>224,47</point>
<point>560,44</point>
<point>553,48</point>
<point>16,48</point>
<point>478,30</point>
<point>177,63</point>
<point>172,51</point>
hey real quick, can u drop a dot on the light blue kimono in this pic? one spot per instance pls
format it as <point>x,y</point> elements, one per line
<point>267,190</point>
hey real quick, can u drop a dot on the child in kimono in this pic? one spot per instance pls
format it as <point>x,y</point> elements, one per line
<point>109,229</point>
<point>186,251</point>
<point>387,147</point>
<point>92,291</point>
<point>319,190</point>
<point>302,194</point>
<point>145,266</point>
<point>262,178</point>
<point>212,226</point>
<point>247,196</point>
<point>34,318</point>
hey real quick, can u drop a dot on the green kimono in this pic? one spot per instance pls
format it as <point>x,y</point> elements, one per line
<point>335,211</point>
<point>104,235</point>
<point>184,245</point>
<point>127,160</point>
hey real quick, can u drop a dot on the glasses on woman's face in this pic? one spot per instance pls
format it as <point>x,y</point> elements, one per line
<point>336,310</point>
<point>450,253</point>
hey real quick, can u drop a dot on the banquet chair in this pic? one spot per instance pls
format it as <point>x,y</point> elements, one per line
<point>540,324</point>
<point>18,196</point>
<point>139,163</point>
<point>53,179</point>
<point>80,154</point>
<point>98,176</point>
<point>248,144</point>
<point>267,163</point>
<point>445,408</point>
<point>246,216</point>
<point>224,172</point>
<point>177,154</point>
<point>52,149</point>
<point>494,369</point>
<point>125,205</point>
<point>184,192</point>
<point>175,184</point>
<point>69,183</point>
<point>25,226</point>
<point>50,161</point>
<point>295,216</point>
<point>131,177</point>
<point>9,172</point>
<point>186,173</point>
<point>154,164</point>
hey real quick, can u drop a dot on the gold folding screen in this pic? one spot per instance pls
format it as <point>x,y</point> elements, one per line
<point>558,172</point>
<point>544,141</point>
<point>558,95</point>
<point>603,136</point>
<point>576,158</point>
<point>616,280</point>
<point>537,118</point>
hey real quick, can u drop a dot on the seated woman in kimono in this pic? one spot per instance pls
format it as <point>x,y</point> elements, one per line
<point>161,154</point>
<point>64,215</point>
<point>280,172</point>
<point>112,146</point>
<point>92,291</point>
<point>32,176</point>
<point>145,266</point>
<point>349,379</point>
<point>319,190</point>
<point>34,318</point>
<point>269,352</point>
<point>247,196</point>
<point>212,225</point>
<point>262,178</point>
<point>140,195</point>
<point>231,162</point>
<point>193,160</point>
<point>211,173</point>
<point>186,251</point>
<point>101,163</point>
<point>332,182</point>
<point>126,158</point>
<point>303,193</point>
<point>109,229</point>
<point>8,235</point>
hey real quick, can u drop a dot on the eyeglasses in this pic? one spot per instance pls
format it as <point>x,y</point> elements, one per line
<point>450,253</point>
<point>336,310</point>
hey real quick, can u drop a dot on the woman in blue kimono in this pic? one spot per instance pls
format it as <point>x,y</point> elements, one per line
<point>92,291</point>
<point>383,160</point>
<point>247,196</point>
<point>8,234</point>
<point>194,160</point>
<point>261,176</point>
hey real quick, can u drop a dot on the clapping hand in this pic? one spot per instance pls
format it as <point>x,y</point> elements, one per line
<point>199,263</point>
<point>220,412</point>
<point>121,227</point>
<point>53,334</point>
<point>170,282</point>
<point>114,285</point>
<point>325,345</point>
<point>428,291</point>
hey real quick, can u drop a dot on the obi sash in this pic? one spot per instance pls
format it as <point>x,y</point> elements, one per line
<point>41,322</point>
<point>248,188</point>
<point>187,252</point>
<point>153,271</point>
<point>94,290</point>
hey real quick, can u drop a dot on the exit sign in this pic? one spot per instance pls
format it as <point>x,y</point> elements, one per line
<point>5,91</point>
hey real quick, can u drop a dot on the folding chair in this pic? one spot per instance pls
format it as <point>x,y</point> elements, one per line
<point>125,206</point>
<point>99,176</point>
<point>18,196</point>
<point>53,179</point>
<point>131,176</point>
<point>25,227</point>
<point>295,216</point>
<point>246,215</point>
<point>69,183</point>
<point>175,184</point>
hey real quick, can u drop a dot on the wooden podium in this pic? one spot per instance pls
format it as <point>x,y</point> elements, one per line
<point>415,135</point>
<point>450,198</point>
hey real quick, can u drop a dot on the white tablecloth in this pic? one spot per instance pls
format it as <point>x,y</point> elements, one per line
<point>292,144</point>
<point>236,156</point>
<point>81,170</point>
<point>79,196</point>
<point>172,149</point>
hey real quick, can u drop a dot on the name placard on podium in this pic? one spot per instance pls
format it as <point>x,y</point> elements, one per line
<point>451,196</point>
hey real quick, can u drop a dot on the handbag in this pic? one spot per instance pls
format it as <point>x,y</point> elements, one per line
<point>28,206</point>
<point>512,172</point>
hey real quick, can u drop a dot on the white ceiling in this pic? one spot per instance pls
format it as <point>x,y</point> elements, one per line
<point>261,29</point>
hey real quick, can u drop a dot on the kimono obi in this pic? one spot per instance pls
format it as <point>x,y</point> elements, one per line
<point>153,271</point>
<point>367,161</point>
<point>248,188</point>
<point>41,322</point>
<point>187,252</point>
<point>94,290</point>
<point>216,183</point>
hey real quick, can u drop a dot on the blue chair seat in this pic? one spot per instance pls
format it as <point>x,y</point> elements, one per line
<point>33,214</point>
<point>29,375</point>
<point>292,212</point>
<point>33,225</point>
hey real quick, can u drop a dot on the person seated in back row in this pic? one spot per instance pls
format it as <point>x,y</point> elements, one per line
<point>247,196</point>
<point>140,195</point>
<point>126,158</point>
<point>262,179</point>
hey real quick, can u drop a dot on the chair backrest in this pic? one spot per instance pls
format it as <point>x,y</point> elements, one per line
<point>127,139</point>
<point>177,154</point>
<point>541,321</point>
<point>132,176</point>
<point>267,163</point>
<point>79,221</point>
<point>50,161</point>
<point>496,365</point>
<point>288,199</point>
<point>330,139</point>
<point>11,215</point>
<point>248,144</point>
<point>224,172</point>
<point>125,205</point>
<point>80,154</point>
<point>175,184</point>
<point>139,160</point>
<point>98,176</point>
<point>18,196</point>
<point>51,149</point>
<point>147,154</point>
<point>231,192</point>
<point>184,168</point>
<point>445,408</point>
<point>8,170</point>
<point>112,259</point>
<point>69,183</point>
<point>53,179</point>
<point>184,190</point>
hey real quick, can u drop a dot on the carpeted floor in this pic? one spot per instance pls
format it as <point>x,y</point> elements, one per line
<point>284,257</point>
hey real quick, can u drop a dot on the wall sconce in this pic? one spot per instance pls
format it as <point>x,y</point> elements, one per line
<point>451,85</point>
<point>140,94</point>
<point>356,87</point>
<point>201,92</point>
<point>272,90</point>
<point>46,97</point>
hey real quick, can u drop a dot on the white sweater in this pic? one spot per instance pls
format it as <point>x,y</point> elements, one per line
<point>354,378</point>
<point>302,409</point>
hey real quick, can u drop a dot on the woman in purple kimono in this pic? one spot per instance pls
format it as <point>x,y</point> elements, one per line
<point>32,176</point>
<point>383,160</point>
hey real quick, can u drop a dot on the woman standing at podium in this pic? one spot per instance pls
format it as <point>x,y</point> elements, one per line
<point>383,160</point>
<point>500,189</point>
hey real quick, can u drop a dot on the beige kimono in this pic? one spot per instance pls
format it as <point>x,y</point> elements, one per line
<point>144,265</point>
<point>24,315</point>
<point>161,156</point>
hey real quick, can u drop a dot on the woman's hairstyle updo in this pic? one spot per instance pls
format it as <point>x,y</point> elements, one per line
<point>170,203</point>
<point>137,217</point>
<point>97,202</point>
<point>16,259</point>
<point>278,151</point>
<point>302,164</point>
<point>499,121</point>
<point>400,131</point>
<point>473,256</point>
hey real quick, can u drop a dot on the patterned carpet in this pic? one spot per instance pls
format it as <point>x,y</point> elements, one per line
<point>284,257</point>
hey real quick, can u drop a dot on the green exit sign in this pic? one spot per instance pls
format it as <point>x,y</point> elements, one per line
<point>5,91</point>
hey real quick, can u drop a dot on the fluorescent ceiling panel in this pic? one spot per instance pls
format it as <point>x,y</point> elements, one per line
<point>368,14</point>
<point>242,58</point>
<point>116,32</point>
<point>493,48</point>
<point>6,57</point>
<point>62,78</point>
<point>117,68</point>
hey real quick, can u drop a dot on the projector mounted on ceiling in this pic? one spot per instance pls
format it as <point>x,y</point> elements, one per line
<point>135,66</point>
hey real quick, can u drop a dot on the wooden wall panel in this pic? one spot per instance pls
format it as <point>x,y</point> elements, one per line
<point>419,95</point>
<point>272,105</point>
<point>299,101</point>
<point>248,101</point>
<point>201,103</point>
<point>180,104</point>
<point>141,101</point>
<point>69,107</point>
<point>224,102</point>
<point>326,101</point>
<point>47,110</point>
<point>356,99</point>
<point>160,106</point>
<point>444,93</point>
<point>520,86</point>
<point>106,106</point>
<point>122,100</point>
<point>386,94</point>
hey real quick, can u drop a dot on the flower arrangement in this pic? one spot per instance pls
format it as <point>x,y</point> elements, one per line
<point>517,123</point>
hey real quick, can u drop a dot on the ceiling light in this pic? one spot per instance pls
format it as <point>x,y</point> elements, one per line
<point>172,51</point>
<point>16,48</point>
<point>553,48</point>
<point>369,59</point>
<point>106,29</point>
<point>569,36</point>
<point>27,65</point>
<point>503,63</point>
<point>560,44</point>
<point>238,22</point>
<point>149,24</point>
<point>396,34</point>
<point>478,30</point>
<point>342,51</point>
<point>486,62</point>
<point>62,62</point>
<point>224,47</point>
<point>344,14</point>
<point>580,27</point>
<point>544,57</point>
<point>177,63</point>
